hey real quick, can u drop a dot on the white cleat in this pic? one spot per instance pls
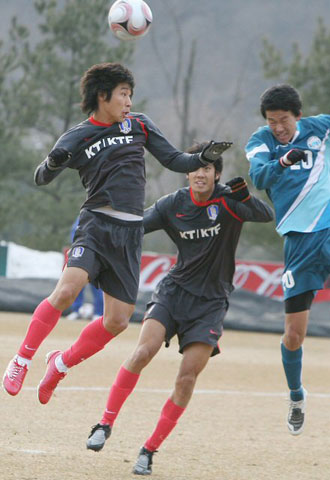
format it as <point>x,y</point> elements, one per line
<point>296,416</point>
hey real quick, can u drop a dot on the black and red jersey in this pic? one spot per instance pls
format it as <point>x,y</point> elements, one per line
<point>206,235</point>
<point>110,160</point>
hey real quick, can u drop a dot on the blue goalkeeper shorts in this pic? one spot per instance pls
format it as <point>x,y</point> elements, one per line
<point>306,262</point>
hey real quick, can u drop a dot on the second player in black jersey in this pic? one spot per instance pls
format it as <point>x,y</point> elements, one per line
<point>107,150</point>
<point>204,221</point>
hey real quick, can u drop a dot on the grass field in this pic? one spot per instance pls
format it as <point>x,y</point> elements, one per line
<point>233,429</point>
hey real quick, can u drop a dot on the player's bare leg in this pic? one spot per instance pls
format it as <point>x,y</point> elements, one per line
<point>292,353</point>
<point>151,337</point>
<point>44,319</point>
<point>72,281</point>
<point>195,358</point>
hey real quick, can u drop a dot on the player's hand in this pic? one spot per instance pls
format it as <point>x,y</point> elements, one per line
<point>212,151</point>
<point>293,156</point>
<point>239,189</point>
<point>57,158</point>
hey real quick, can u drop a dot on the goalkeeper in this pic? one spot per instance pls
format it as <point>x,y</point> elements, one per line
<point>205,222</point>
<point>290,159</point>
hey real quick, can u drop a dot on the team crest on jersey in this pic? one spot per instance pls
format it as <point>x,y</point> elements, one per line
<point>212,211</point>
<point>314,142</point>
<point>125,126</point>
<point>77,252</point>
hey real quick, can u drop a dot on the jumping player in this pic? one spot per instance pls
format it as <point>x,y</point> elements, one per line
<point>290,159</point>
<point>107,150</point>
<point>205,222</point>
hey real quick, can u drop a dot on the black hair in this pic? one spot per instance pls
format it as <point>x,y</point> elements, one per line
<point>198,147</point>
<point>281,97</point>
<point>102,78</point>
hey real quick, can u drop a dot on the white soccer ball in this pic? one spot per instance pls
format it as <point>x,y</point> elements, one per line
<point>129,19</point>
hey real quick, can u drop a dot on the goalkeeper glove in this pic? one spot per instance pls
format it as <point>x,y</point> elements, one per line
<point>212,151</point>
<point>293,156</point>
<point>57,158</point>
<point>239,189</point>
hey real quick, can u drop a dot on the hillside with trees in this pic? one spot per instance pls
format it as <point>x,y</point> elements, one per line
<point>199,73</point>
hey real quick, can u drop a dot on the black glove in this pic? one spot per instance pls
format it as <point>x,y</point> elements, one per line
<point>212,151</point>
<point>239,189</point>
<point>293,156</point>
<point>57,158</point>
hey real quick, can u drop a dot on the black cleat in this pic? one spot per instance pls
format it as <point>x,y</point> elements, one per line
<point>98,436</point>
<point>144,462</point>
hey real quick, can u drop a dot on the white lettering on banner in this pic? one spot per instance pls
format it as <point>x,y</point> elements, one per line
<point>97,146</point>
<point>201,232</point>
<point>269,280</point>
<point>161,262</point>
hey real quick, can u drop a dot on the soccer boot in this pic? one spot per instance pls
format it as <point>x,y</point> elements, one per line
<point>48,384</point>
<point>296,416</point>
<point>144,462</point>
<point>98,436</point>
<point>14,376</point>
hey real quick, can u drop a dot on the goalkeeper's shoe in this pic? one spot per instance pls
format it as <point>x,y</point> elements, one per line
<point>51,379</point>
<point>296,416</point>
<point>98,436</point>
<point>144,462</point>
<point>14,376</point>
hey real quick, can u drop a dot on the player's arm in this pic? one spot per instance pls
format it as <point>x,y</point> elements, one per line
<point>176,160</point>
<point>51,167</point>
<point>264,171</point>
<point>255,210</point>
<point>154,217</point>
<point>246,206</point>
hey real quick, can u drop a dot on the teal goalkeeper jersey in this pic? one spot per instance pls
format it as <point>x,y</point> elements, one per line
<point>300,193</point>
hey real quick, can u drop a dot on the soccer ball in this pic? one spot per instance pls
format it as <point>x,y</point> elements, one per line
<point>129,19</point>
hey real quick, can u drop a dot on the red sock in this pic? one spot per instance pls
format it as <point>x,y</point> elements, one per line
<point>123,385</point>
<point>43,320</point>
<point>168,419</point>
<point>92,339</point>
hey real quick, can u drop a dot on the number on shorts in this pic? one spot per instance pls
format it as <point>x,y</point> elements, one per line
<point>288,280</point>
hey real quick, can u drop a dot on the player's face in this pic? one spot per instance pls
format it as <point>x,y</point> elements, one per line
<point>283,124</point>
<point>117,108</point>
<point>202,181</point>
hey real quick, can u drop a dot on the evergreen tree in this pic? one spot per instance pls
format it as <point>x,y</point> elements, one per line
<point>309,73</point>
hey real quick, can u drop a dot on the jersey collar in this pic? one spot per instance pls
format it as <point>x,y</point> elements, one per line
<point>99,124</point>
<point>202,204</point>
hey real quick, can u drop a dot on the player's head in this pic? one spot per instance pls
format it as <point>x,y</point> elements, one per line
<point>281,107</point>
<point>218,164</point>
<point>203,180</point>
<point>281,97</point>
<point>101,80</point>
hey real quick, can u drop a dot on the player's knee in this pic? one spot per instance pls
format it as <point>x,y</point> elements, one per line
<point>116,324</point>
<point>141,357</point>
<point>293,338</point>
<point>63,297</point>
<point>184,384</point>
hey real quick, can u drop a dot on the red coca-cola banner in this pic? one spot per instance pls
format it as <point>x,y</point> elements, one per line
<point>263,278</point>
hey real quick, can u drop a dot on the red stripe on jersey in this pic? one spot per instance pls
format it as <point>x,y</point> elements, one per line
<point>214,200</point>
<point>224,203</point>
<point>99,124</point>
<point>142,125</point>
